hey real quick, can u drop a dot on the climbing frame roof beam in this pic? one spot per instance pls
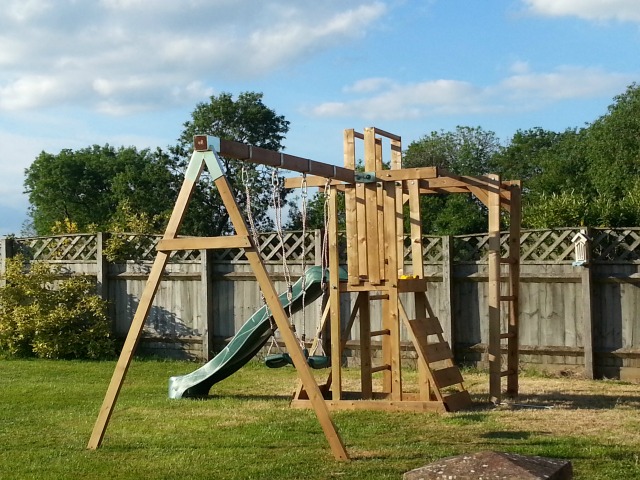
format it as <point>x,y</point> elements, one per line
<point>263,156</point>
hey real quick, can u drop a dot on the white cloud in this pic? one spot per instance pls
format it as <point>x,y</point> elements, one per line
<point>598,10</point>
<point>384,99</point>
<point>564,83</point>
<point>118,56</point>
<point>368,85</point>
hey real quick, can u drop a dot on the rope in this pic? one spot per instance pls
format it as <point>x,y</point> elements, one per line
<point>246,181</point>
<point>277,206</point>
<point>324,252</point>
<point>325,236</point>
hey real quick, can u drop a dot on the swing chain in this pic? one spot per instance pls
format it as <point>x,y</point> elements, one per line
<point>246,181</point>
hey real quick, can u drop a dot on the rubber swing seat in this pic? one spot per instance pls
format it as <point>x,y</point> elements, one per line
<point>278,360</point>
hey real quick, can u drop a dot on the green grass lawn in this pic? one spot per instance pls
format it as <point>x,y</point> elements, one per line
<point>247,431</point>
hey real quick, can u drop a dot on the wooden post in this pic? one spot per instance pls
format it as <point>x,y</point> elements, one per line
<point>351,211</point>
<point>371,200</point>
<point>207,296</point>
<point>6,252</point>
<point>513,341</point>
<point>392,290</point>
<point>446,305</point>
<point>102,273</point>
<point>365,345</point>
<point>495,368</point>
<point>153,282</point>
<point>280,317</point>
<point>417,261</point>
<point>587,311</point>
<point>334,297</point>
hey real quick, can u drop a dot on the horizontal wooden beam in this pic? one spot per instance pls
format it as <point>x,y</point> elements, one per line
<point>262,156</point>
<point>380,176</point>
<point>200,243</point>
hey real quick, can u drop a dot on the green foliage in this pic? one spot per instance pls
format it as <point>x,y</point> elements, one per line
<point>48,318</point>
<point>557,210</point>
<point>93,187</point>
<point>246,119</point>
<point>467,151</point>
<point>587,176</point>
<point>118,245</point>
<point>85,187</point>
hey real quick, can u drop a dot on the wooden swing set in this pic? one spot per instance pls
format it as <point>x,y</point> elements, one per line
<point>377,203</point>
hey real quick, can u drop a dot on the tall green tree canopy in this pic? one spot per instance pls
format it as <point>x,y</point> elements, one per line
<point>246,119</point>
<point>588,176</point>
<point>466,151</point>
<point>87,186</point>
<point>94,186</point>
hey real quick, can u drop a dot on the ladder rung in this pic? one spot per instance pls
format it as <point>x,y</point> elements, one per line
<point>377,333</point>
<point>379,296</point>
<point>446,377</point>
<point>507,298</point>
<point>506,373</point>
<point>508,335</point>
<point>457,401</point>
<point>380,368</point>
<point>435,352</point>
<point>427,325</point>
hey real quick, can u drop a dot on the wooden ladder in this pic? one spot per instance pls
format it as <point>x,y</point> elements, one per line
<point>444,377</point>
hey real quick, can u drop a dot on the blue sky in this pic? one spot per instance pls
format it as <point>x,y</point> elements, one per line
<point>129,72</point>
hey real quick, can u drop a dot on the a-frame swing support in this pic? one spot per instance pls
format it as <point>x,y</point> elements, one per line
<point>207,154</point>
<point>374,202</point>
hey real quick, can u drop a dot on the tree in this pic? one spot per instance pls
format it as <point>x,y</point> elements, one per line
<point>86,186</point>
<point>94,187</point>
<point>587,176</point>
<point>466,151</point>
<point>246,120</point>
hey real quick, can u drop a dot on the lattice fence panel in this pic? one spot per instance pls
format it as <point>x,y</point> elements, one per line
<point>61,247</point>
<point>548,246</point>
<point>271,248</point>
<point>432,249</point>
<point>615,245</point>
<point>475,248</point>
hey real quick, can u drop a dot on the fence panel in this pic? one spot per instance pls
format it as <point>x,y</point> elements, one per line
<point>552,299</point>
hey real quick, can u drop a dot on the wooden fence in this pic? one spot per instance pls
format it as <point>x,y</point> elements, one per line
<point>576,318</point>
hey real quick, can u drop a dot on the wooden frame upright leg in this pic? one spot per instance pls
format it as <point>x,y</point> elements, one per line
<point>280,317</point>
<point>495,368</point>
<point>194,170</point>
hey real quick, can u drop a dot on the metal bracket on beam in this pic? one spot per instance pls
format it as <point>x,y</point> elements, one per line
<point>365,177</point>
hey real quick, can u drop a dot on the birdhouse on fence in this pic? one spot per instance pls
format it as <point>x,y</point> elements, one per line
<point>580,240</point>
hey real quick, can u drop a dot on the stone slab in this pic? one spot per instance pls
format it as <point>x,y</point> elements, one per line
<point>493,466</point>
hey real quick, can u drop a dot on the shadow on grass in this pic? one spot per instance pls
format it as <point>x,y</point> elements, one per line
<point>571,401</point>
<point>240,397</point>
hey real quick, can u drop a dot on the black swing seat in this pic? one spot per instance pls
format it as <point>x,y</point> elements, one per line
<point>279,360</point>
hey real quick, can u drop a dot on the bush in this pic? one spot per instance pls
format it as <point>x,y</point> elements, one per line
<point>44,317</point>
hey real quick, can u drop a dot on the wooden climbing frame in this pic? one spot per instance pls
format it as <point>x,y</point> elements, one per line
<point>377,203</point>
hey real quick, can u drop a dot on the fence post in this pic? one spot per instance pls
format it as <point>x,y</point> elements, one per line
<point>587,310</point>
<point>447,291</point>
<point>207,297</point>
<point>102,270</point>
<point>6,251</point>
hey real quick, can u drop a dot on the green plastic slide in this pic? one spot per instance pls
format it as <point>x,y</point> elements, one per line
<point>248,340</point>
